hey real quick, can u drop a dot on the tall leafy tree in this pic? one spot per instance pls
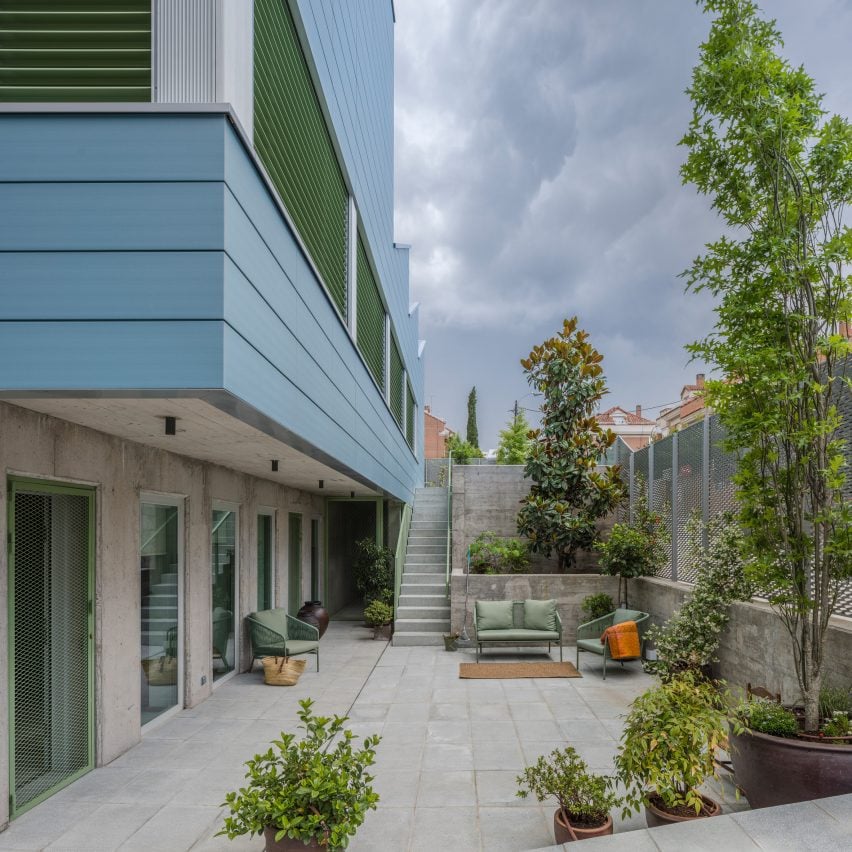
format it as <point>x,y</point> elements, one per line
<point>779,172</point>
<point>472,435</point>
<point>514,441</point>
<point>569,492</point>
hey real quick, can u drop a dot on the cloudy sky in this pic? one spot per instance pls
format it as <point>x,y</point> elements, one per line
<point>537,177</point>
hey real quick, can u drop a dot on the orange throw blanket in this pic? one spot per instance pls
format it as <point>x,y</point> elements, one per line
<point>623,640</point>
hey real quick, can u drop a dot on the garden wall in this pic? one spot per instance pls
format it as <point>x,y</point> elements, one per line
<point>568,590</point>
<point>488,497</point>
<point>755,647</point>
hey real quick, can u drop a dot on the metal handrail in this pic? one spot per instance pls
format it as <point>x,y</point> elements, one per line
<point>449,519</point>
<point>401,550</point>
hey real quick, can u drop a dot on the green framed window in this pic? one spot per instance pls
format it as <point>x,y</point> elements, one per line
<point>371,318</point>
<point>293,142</point>
<point>396,370</point>
<point>75,50</point>
<point>410,410</point>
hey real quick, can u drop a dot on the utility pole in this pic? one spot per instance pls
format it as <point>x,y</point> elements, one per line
<point>515,421</point>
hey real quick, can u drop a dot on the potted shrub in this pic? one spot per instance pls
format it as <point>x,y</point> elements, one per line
<point>451,641</point>
<point>373,571</point>
<point>596,606</point>
<point>780,279</point>
<point>584,799</point>
<point>668,747</point>
<point>379,616</point>
<point>312,792</point>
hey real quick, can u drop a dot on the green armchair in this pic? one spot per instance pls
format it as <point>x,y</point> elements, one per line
<point>275,633</point>
<point>589,634</point>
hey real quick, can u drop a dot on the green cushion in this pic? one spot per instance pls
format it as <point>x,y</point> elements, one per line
<point>493,615</point>
<point>301,646</point>
<point>593,645</point>
<point>517,634</point>
<point>540,615</point>
<point>274,619</point>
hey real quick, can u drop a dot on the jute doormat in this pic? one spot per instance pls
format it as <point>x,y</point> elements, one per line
<point>514,670</point>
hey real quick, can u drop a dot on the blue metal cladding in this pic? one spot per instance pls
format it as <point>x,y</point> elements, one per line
<point>122,272</point>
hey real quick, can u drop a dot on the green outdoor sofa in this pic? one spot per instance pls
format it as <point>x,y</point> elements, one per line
<point>526,622</point>
<point>275,633</point>
<point>589,634</point>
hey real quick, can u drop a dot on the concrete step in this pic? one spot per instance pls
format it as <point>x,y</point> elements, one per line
<point>428,526</point>
<point>438,569</point>
<point>415,589</point>
<point>422,578</point>
<point>426,558</point>
<point>428,535</point>
<point>413,549</point>
<point>414,639</point>
<point>417,599</point>
<point>421,625</point>
<point>427,613</point>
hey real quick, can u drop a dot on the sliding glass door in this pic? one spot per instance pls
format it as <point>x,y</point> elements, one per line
<point>161,581</point>
<point>224,571</point>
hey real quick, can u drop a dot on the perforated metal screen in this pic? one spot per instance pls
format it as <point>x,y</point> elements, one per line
<point>50,585</point>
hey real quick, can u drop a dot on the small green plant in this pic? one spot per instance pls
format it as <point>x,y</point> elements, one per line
<point>768,717</point>
<point>462,451</point>
<point>596,606</point>
<point>834,699</point>
<point>492,554</point>
<point>629,551</point>
<point>316,788</point>
<point>839,725</point>
<point>583,797</point>
<point>372,570</point>
<point>377,614</point>
<point>669,743</point>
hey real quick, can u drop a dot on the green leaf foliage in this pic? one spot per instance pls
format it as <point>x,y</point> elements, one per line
<point>514,444</point>
<point>768,717</point>
<point>378,613</point>
<point>690,638</point>
<point>372,570</point>
<point>317,788</point>
<point>492,554</point>
<point>472,432</point>
<point>597,606</point>
<point>778,170</point>
<point>462,451</point>
<point>569,492</point>
<point>585,798</point>
<point>669,742</point>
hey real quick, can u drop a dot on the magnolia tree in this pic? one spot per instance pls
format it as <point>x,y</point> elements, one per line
<point>569,491</point>
<point>779,172</point>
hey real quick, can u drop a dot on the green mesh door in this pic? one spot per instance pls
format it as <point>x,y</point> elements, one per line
<point>50,639</point>
<point>294,569</point>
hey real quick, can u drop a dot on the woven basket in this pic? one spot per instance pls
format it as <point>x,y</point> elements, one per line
<point>161,671</point>
<point>282,671</point>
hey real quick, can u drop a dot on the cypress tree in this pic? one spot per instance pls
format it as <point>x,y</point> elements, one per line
<point>472,429</point>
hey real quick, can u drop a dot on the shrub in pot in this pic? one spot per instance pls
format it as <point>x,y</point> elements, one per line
<point>312,792</point>
<point>596,606</point>
<point>584,799</point>
<point>668,746</point>
<point>379,616</point>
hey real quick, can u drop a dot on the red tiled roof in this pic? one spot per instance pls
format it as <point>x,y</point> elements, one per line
<point>605,418</point>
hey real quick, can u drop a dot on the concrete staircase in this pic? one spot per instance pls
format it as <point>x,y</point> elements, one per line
<point>423,614</point>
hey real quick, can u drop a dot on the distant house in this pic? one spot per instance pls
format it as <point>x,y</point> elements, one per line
<point>634,429</point>
<point>689,410</point>
<point>435,434</point>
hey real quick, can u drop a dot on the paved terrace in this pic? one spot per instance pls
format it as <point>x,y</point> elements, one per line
<point>446,766</point>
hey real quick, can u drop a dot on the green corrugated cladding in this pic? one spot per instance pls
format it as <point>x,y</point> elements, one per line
<point>370,318</point>
<point>396,369</point>
<point>293,142</point>
<point>409,416</point>
<point>75,50</point>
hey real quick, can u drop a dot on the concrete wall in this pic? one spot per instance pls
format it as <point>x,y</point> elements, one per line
<point>35,445</point>
<point>569,590</point>
<point>755,647</point>
<point>488,497</point>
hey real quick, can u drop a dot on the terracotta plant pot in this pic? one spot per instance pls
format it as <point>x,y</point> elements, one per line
<point>563,835</point>
<point>656,817</point>
<point>780,770</point>
<point>313,612</point>
<point>285,844</point>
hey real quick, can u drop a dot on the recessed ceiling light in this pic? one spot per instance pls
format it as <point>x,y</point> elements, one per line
<point>171,425</point>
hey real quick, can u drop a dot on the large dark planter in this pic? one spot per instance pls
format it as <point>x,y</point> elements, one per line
<point>313,612</point>
<point>285,844</point>
<point>780,770</point>
<point>655,817</point>
<point>563,835</point>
